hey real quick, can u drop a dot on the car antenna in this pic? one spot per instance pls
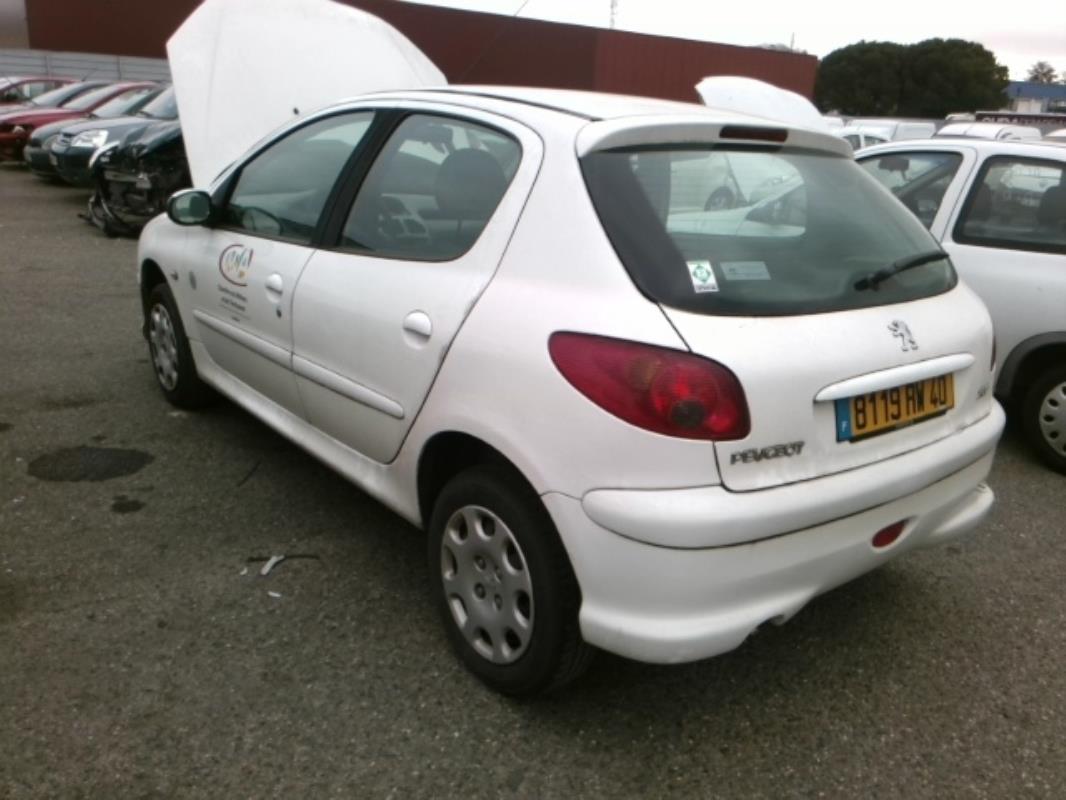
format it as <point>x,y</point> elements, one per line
<point>499,34</point>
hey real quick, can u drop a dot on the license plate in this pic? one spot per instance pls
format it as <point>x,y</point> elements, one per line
<point>890,409</point>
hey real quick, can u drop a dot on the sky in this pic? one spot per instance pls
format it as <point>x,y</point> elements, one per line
<point>1019,34</point>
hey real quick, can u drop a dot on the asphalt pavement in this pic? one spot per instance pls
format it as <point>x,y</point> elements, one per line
<point>142,654</point>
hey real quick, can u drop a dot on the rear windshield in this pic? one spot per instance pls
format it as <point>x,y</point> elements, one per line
<point>759,232</point>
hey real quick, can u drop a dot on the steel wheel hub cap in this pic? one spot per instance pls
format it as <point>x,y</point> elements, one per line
<point>164,346</point>
<point>487,584</point>
<point>1053,418</point>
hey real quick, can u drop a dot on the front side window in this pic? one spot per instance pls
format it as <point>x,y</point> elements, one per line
<point>1016,204</point>
<point>432,190</point>
<point>807,234</point>
<point>281,192</point>
<point>919,180</point>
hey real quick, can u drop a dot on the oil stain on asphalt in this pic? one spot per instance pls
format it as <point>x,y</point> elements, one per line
<point>88,464</point>
<point>126,505</point>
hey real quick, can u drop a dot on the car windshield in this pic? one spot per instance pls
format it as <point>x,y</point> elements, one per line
<point>56,96</point>
<point>758,232</point>
<point>83,102</point>
<point>126,103</point>
<point>163,107</point>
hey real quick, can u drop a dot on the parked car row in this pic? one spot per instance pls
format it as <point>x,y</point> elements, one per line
<point>863,133</point>
<point>120,139</point>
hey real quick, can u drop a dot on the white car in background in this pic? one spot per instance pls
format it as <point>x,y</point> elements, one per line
<point>863,133</point>
<point>998,131</point>
<point>999,209</point>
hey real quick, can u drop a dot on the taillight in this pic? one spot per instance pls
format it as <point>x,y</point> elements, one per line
<point>655,388</point>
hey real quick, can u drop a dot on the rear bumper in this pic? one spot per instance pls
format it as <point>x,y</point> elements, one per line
<point>668,605</point>
<point>712,516</point>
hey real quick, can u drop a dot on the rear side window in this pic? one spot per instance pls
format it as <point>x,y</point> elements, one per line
<point>802,233</point>
<point>280,193</point>
<point>432,190</point>
<point>1016,204</point>
<point>919,180</point>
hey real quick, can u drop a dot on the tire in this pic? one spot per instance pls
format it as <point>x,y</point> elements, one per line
<point>168,350</point>
<point>721,199</point>
<point>496,562</point>
<point>1043,412</point>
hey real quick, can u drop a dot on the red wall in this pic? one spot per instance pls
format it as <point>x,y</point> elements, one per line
<point>468,47</point>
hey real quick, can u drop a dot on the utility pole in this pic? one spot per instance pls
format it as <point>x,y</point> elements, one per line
<point>614,12</point>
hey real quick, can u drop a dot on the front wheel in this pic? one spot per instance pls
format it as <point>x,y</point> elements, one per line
<point>168,348</point>
<point>1044,416</point>
<point>503,584</point>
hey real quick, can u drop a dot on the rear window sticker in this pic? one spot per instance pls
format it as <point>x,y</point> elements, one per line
<point>702,274</point>
<point>745,270</point>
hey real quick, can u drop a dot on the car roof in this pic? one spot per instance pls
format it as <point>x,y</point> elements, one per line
<point>574,102</point>
<point>983,147</point>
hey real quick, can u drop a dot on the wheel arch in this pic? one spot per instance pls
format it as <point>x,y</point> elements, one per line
<point>151,275</point>
<point>445,455</point>
<point>1028,359</point>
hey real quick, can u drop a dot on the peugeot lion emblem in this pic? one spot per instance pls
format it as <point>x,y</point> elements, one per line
<point>906,338</point>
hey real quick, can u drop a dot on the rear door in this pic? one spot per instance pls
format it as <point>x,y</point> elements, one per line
<point>374,314</point>
<point>245,269</point>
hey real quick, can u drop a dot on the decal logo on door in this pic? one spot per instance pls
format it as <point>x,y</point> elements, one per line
<point>234,264</point>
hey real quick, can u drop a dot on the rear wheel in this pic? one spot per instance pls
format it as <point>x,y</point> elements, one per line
<point>503,584</point>
<point>169,350</point>
<point>1044,416</point>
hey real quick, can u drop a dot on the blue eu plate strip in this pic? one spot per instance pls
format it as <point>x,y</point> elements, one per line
<point>843,409</point>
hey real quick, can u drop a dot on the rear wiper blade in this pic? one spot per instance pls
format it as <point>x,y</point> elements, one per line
<point>877,277</point>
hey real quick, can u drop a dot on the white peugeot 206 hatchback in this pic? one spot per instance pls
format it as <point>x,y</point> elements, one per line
<point>628,419</point>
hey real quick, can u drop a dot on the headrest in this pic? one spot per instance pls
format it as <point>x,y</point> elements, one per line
<point>470,184</point>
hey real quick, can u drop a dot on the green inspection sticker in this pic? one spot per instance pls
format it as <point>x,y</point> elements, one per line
<point>702,274</point>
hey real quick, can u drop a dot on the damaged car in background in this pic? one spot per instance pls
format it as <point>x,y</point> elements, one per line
<point>40,153</point>
<point>133,177</point>
<point>18,126</point>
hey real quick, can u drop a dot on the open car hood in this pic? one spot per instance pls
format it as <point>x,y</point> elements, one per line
<point>241,68</point>
<point>760,99</point>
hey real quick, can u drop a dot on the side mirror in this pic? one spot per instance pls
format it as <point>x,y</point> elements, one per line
<point>189,207</point>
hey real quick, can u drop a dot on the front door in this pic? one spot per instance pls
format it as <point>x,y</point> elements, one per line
<point>247,266</point>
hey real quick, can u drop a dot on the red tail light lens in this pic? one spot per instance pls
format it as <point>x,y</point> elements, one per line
<point>655,388</point>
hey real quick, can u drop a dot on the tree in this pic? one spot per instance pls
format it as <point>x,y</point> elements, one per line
<point>946,75</point>
<point>927,79</point>
<point>861,79</point>
<point>1042,72</point>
